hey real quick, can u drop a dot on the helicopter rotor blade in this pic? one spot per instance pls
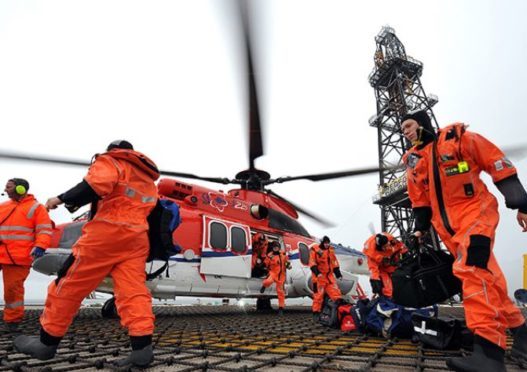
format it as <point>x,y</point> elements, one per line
<point>333,175</point>
<point>321,220</point>
<point>255,129</point>
<point>222,180</point>
<point>43,159</point>
<point>83,163</point>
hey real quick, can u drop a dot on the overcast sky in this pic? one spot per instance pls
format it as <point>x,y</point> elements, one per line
<point>166,76</point>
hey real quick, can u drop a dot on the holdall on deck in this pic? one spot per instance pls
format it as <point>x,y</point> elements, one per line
<point>425,278</point>
<point>442,333</point>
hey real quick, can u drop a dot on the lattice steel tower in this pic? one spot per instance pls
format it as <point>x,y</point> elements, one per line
<point>398,90</point>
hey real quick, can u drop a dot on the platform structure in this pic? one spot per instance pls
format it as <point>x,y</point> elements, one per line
<point>230,338</point>
<point>398,90</point>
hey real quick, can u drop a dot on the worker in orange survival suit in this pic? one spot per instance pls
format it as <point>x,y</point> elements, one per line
<point>113,243</point>
<point>259,246</point>
<point>446,191</point>
<point>325,268</point>
<point>383,252</point>
<point>277,262</point>
<point>25,233</point>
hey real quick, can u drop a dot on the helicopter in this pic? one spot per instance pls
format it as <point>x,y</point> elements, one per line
<point>217,227</point>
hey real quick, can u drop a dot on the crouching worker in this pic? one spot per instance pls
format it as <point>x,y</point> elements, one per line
<point>325,269</point>
<point>276,262</point>
<point>383,252</point>
<point>114,243</point>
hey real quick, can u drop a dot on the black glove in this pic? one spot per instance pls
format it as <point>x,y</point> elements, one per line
<point>337,272</point>
<point>315,270</point>
<point>376,286</point>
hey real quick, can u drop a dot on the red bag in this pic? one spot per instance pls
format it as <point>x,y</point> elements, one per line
<point>347,324</point>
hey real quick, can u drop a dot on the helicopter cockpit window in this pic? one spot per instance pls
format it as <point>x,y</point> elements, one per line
<point>304,253</point>
<point>238,240</point>
<point>280,221</point>
<point>218,236</point>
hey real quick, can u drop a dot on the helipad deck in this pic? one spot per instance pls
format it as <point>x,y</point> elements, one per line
<point>227,338</point>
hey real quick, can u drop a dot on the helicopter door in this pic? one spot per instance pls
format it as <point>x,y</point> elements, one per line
<point>225,248</point>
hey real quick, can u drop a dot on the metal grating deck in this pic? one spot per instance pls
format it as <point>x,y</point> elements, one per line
<point>228,338</point>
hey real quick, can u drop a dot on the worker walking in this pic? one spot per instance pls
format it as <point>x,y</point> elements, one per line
<point>325,269</point>
<point>383,252</point>
<point>446,191</point>
<point>25,233</point>
<point>277,262</point>
<point>113,243</point>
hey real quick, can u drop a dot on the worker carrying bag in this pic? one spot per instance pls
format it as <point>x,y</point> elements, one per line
<point>424,278</point>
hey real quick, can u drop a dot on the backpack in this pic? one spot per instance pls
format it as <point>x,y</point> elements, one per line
<point>442,333</point>
<point>163,220</point>
<point>347,323</point>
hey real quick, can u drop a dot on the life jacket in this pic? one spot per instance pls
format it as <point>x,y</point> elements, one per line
<point>276,263</point>
<point>445,175</point>
<point>324,259</point>
<point>384,260</point>
<point>124,180</point>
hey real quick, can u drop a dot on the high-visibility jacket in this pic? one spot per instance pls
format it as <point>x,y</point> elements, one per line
<point>24,224</point>
<point>385,260</point>
<point>324,260</point>
<point>123,179</point>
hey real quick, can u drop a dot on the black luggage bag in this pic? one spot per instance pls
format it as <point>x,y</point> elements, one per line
<point>424,278</point>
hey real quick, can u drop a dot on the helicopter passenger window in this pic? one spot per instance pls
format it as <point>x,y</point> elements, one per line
<point>238,240</point>
<point>304,253</point>
<point>218,236</point>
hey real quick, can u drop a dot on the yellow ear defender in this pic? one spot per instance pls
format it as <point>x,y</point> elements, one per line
<point>20,190</point>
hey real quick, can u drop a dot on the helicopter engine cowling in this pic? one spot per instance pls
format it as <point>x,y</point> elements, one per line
<point>302,284</point>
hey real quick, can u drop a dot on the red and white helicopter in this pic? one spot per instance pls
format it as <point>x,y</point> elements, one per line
<point>216,230</point>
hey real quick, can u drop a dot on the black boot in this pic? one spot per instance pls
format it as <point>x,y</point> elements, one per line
<point>43,347</point>
<point>142,352</point>
<point>262,290</point>
<point>487,357</point>
<point>519,345</point>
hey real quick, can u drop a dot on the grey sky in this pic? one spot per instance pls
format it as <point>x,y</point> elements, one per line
<point>165,75</point>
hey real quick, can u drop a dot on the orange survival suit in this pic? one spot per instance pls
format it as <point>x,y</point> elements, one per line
<point>277,264</point>
<point>383,262</point>
<point>114,243</point>
<point>324,267</point>
<point>445,189</point>
<point>24,224</point>
<point>259,254</point>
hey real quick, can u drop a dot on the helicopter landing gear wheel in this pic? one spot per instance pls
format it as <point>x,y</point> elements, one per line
<point>109,310</point>
<point>263,304</point>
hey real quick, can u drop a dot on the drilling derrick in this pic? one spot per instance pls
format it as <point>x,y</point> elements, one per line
<point>398,90</point>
